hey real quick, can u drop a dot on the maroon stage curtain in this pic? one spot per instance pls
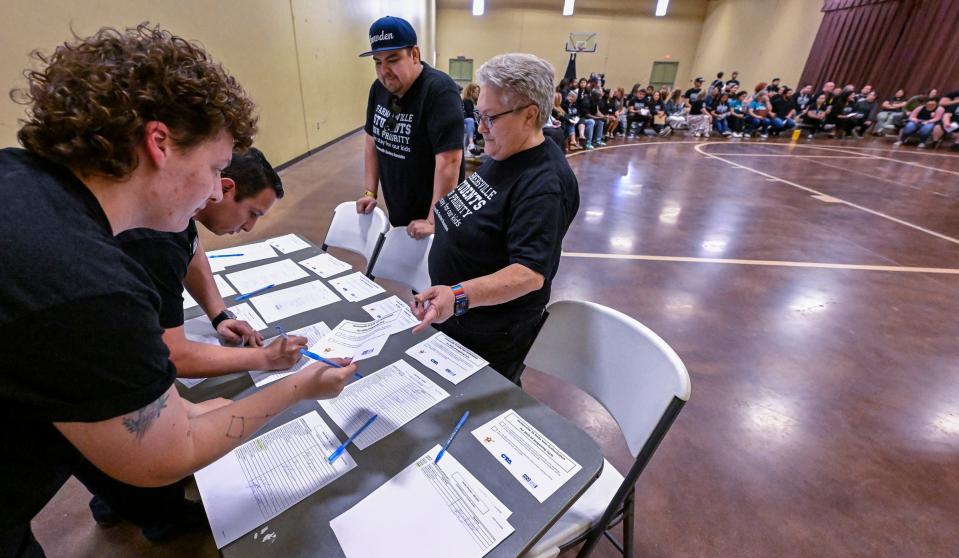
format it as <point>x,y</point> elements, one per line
<point>891,44</point>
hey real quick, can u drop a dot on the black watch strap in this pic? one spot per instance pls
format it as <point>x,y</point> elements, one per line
<point>224,315</point>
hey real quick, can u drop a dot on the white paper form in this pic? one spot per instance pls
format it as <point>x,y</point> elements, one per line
<point>313,333</point>
<point>276,305</point>
<point>244,312</point>
<point>356,287</point>
<point>387,306</point>
<point>325,265</point>
<point>224,287</point>
<point>532,458</point>
<point>251,253</point>
<point>447,357</point>
<point>288,243</point>
<point>362,340</point>
<point>199,330</point>
<point>465,519</point>
<point>267,475</point>
<point>276,273</point>
<point>397,393</point>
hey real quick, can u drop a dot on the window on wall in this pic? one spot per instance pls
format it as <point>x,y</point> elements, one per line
<point>461,70</point>
<point>664,73</point>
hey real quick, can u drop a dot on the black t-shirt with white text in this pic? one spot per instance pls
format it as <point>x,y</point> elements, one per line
<point>165,257</point>
<point>429,122</point>
<point>693,93</point>
<point>79,336</point>
<point>512,211</point>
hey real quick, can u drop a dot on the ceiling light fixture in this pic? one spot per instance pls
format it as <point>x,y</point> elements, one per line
<point>661,6</point>
<point>479,6</point>
<point>568,7</point>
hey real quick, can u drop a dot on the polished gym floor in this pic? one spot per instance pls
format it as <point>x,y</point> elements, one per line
<point>810,288</point>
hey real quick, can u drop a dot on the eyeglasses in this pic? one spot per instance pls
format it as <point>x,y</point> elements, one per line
<point>487,120</point>
<point>395,109</point>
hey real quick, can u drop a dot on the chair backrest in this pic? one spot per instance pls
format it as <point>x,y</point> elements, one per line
<point>620,362</point>
<point>404,259</point>
<point>355,232</point>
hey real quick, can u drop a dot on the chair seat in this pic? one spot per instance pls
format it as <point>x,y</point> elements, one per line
<point>581,516</point>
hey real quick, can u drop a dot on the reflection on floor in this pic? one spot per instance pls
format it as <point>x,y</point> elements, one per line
<point>824,419</point>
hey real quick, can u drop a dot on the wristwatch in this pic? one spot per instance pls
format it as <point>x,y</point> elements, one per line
<point>369,194</point>
<point>461,303</point>
<point>224,315</point>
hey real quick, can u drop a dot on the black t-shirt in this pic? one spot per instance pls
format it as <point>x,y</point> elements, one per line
<point>586,106</point>
<point>731,83</point>
<point>801,101</point>
<point>165,257</point>
<point>693,93</point>
<point>512,211</point>
<point>428,123</point>
<point>79,335</point>
<point>469,108</point>
<point>696,107</point>
<point>781,106</point>
<point>656,106</point>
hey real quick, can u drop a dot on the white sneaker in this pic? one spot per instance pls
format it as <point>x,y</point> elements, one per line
<point>811,136</point>
<point>922,145</point>
<point>764,136</point>
<point>897,144</point>
<point>707,135</point>
<point>737,135</point>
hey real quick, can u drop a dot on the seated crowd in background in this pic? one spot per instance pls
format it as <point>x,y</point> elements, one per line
<point>586,114</point>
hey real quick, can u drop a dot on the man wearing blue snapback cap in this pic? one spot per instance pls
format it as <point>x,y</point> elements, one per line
<point>414,127</point>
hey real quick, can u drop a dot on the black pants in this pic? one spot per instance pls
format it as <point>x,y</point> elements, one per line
<point>504,348</point>
<point>736,124</point>
<point>143,506</point>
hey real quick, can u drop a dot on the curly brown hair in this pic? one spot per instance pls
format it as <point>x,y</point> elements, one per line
<point>89,105</point>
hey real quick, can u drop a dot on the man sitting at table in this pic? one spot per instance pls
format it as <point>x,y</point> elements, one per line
<point>499,234</point>
<point>174,260</point>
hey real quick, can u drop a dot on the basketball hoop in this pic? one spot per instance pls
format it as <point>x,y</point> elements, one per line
<point>579,43</point>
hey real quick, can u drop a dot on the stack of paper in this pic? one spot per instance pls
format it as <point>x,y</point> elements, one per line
<point>362,340</point>
<point>276,305</point>
<point>325,265</point>
<point>464,518</point>
<point>267,475</point>
<point>288,243</point>
<point>247,253</point>
<point>533,459</point>
<point>313,333</point>
<point>397,393</point>
<point>356,287</point>
<point>276,273</point>
<point>447,357</point>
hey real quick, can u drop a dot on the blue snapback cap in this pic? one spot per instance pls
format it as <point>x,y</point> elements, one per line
<point>390,33</point>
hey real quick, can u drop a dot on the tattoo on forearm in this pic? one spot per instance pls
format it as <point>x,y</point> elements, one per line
<point>138,423</point>
<point>236,428</point>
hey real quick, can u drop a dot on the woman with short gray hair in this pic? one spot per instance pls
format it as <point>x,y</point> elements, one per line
<point>499,234</point>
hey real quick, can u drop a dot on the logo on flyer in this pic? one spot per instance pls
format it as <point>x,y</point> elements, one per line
<point>506,459</point>
<point>529,481</point>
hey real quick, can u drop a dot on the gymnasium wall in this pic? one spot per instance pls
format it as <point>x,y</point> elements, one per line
<point>762,39</point>
<point>296,58</point>
<point>628,42</point>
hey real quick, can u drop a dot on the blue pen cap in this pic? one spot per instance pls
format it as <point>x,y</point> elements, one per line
<point>390,33</point>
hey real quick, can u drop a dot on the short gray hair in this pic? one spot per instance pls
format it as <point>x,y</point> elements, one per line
<point>522,79</point>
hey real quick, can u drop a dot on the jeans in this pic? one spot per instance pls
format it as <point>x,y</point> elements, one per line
<point>470,132</point>
<point>588,124</point>
<point>753,123</point>
<point>599,128</point>
<point>888,119</point>
<point>721,125</point>
<point>782,124</point>
<point>925,130</point>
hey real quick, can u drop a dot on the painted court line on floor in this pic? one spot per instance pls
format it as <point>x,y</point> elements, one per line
<point>699,149</point>
<point>764,263</point>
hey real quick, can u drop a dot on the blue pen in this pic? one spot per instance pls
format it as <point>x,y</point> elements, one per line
<point>315,356</point>
<point>342,447</point>
<point>225,255</point>
<point>449,441</point>
<point>254,293</point>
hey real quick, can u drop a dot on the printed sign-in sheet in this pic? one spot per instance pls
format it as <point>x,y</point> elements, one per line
<point>267,475</point>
